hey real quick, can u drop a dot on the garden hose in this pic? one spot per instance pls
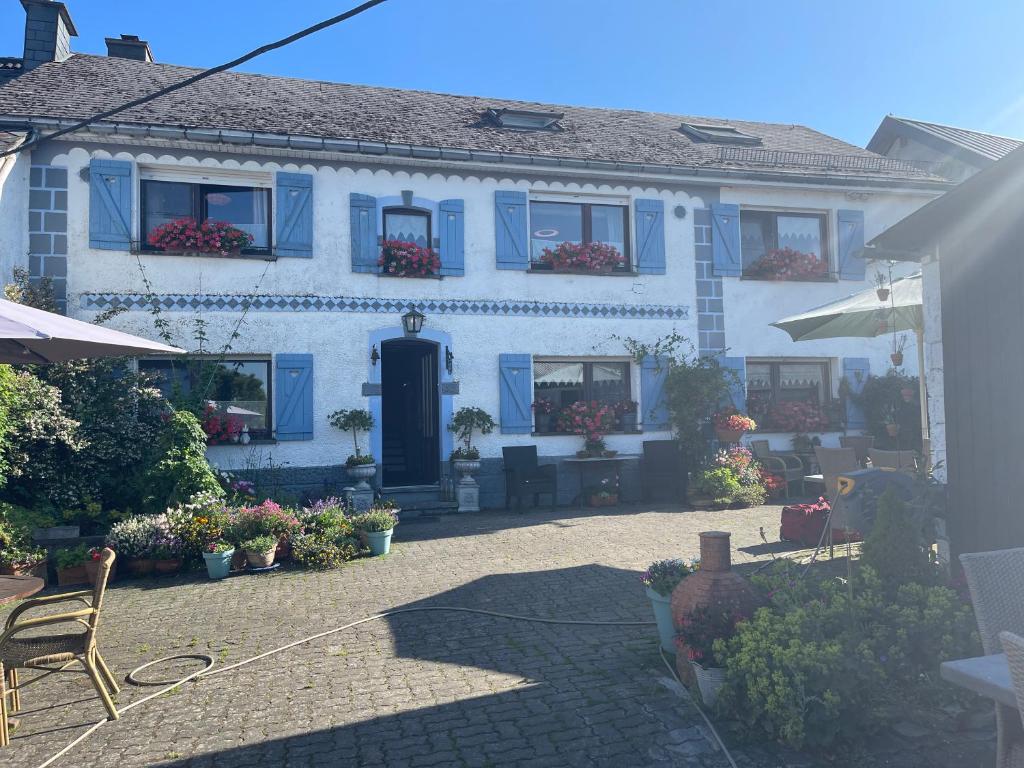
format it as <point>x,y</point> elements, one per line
<point>208,670</point>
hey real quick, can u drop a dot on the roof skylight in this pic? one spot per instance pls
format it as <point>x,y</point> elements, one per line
<point>718,134</point>
<point>526,120</point>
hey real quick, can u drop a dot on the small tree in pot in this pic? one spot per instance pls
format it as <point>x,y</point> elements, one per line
<point>360,466</point>
<point>466,457</point>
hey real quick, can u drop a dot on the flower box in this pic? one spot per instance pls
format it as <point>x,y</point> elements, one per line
<point>208,238</point>
<point>604,499</point>
<point>583,258</point>
<point>788,264</point>
<point>76,574</point>
<point>399,258</point>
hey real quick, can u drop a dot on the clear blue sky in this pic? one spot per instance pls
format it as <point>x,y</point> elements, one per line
<point>838,67</point>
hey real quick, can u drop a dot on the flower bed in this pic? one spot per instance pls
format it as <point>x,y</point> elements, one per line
<point>787,264</point>
<point>405,259</point>
<point>208,237</point>
<point>583,257</point>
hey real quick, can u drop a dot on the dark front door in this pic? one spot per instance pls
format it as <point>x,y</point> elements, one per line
<point>410,438</point>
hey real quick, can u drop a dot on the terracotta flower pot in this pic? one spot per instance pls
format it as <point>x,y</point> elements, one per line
<point>25,569</point>
<point>897,359</point>
<point>883,294</point>
<point>167,566</point>
<point>260,559</point>
<point>728,435</point>
<point>892,429</point>
<point>92,568</point>
<point>67,577</point>
<point>140,566</point>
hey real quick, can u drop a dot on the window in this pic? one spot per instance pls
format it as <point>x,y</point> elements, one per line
<point>554,223</point>
<point>784,246</point>
<point>718,134</point>
<point>236,389</point>
<point>557,384</point>
<point>410,225</point>
<point>791,396</point>
<point>247,208</point>
<point>525,120</point>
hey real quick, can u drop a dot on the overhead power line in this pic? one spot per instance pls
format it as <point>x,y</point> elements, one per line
<point>196,78</point>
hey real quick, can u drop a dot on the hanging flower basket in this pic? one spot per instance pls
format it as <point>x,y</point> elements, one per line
<point>892,429</point>
<point>883,294</point>
<point>730,426</point>
<point>405,259</point>
<point>583,257</point>
<point>897,359</point>
<point>184,236</point>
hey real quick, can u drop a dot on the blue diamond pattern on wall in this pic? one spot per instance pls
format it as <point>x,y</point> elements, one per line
<point>297,303</point>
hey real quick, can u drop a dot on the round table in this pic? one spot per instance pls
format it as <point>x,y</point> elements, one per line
<point>18,587</point>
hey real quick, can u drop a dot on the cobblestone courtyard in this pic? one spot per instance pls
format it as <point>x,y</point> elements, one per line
<point>425,689</point>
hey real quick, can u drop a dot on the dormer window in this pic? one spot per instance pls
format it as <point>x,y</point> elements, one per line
<point>717,134</point>
<point>525,120</point>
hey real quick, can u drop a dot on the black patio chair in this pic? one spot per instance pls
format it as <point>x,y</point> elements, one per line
<point>662,469</point>
<point>523,476</point>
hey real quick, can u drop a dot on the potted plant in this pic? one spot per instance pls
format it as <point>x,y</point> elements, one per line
<point>376,525</point>
<point>543,415</point>
<point>18,556</point>
<point>730,425</point>
<point>404,259</point>
<point>466,457</point>
<point>582,257</point>
<point>899,343</point>
<point>590,419</point>
<point>167,556</point>
<point>660,578</point>
<point>361,467</point>
<point>92,566</point>
<point>604,494</point>
<point>627,415</point>
<point>259,551</point>
<point>70,564</point>
<point>891,419</point>
<point>217,557</point>
<point>209,237</point>
<point>698,631</point>
<point>881,286</point>
<point>135,538</point>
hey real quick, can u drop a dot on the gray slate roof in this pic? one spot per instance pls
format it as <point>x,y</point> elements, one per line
<point>85,84</point>
<point>10,139</point>
<point>987,145</point>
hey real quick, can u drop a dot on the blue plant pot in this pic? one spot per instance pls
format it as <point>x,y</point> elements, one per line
<point>379,541</point>
<point>218,564</point>
<point>663,616</point>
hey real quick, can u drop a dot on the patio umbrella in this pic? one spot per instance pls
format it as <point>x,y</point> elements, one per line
<point>29,335</point>
<point>864,315</point>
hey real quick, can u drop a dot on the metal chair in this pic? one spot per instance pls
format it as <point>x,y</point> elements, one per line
<point>524,475</point>
<point>904,461</point>
<point>788,466</point>
<point>54,653</point>
<point>862,444</point>
<point>662,468</point>
<point>996,582</point>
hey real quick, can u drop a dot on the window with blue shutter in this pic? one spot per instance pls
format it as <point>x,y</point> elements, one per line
<point>363,226</point>
<point>515,381</point>
<point>294,215</point>
<point>737,384</point>
<point>855,372</point>
<point>654,413</point>
<point>510,230</point>
<point>451,231</point>
<point>110,204</point>
<point>851,245</point>
<point>293,396</point>
<point>650,236</point>
<point>725,240</point>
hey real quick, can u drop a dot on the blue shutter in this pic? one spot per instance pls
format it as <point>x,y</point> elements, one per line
<point>110,204</point>
<point>725,239</point>
<point>293,397</point>
<point>515,379</point>
<point>650,236</point>
<point>851,245</point>
<point>510,235</point>
<point>654,409</point>
<point>452,228</point>
<point>855,371</point>
<point>363,226</point>
<point>738,388</point>
<point>294,215</point>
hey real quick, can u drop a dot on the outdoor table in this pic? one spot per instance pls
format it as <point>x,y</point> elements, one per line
<point>815,480</point>
<point>988,676</point>
<point>17,587</point>
<point>616,461</point>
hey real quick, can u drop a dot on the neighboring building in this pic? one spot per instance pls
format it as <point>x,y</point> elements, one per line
<point>953,153</point>
<point>968,242</point>
<point>320,173</point>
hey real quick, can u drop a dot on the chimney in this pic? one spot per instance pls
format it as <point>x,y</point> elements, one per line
<point>48,32</point>
<point>129,47</point>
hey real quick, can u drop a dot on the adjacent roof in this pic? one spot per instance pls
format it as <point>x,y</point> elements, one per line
<point>984,146</point>
<point>990,195</point>
<point>11,139</point>
<point>86,84</point>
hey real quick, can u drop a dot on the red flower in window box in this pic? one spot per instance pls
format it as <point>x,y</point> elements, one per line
<point>405,259</point>
<point>797,417</point>
<point>220,429</point>
<point>788,264</point>
<point>208,237</point>
<point>583,257</point>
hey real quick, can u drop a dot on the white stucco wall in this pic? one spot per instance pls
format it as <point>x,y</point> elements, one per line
<point>14,175</point>
<point>933,365</point>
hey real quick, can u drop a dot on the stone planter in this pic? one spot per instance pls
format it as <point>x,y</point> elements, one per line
<point>467,491</point>
<point>260,559</point>
<point>709,682</point>
<point>379,541</point>
<point>140,567</point>
<point>662,607</point>
<point>361,495</point>
<point>218,564</point>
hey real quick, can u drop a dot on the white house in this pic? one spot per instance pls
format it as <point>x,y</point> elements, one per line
<point>700,210</point>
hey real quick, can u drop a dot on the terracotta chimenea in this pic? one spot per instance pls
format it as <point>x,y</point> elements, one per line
<point>713,584</point>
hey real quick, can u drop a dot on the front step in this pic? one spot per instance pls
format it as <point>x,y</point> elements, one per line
<point>417,500</point>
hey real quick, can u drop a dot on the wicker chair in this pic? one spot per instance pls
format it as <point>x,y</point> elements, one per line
<point>55,652</point>
<point>996,582</point>
<point>904,461</point>
<point>862,444</point>
<point>833,463</point>
<point>788,466</point>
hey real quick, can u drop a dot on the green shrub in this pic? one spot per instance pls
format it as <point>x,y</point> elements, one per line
<point>181,471</point>
<point>376,520</point>
<point>69,557</point>
<point>750,495</point>
<point>894,547</point>
<point>326,516</point>
<point>322,551</point>
<point>260,544</point>
<point>720,483</point>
